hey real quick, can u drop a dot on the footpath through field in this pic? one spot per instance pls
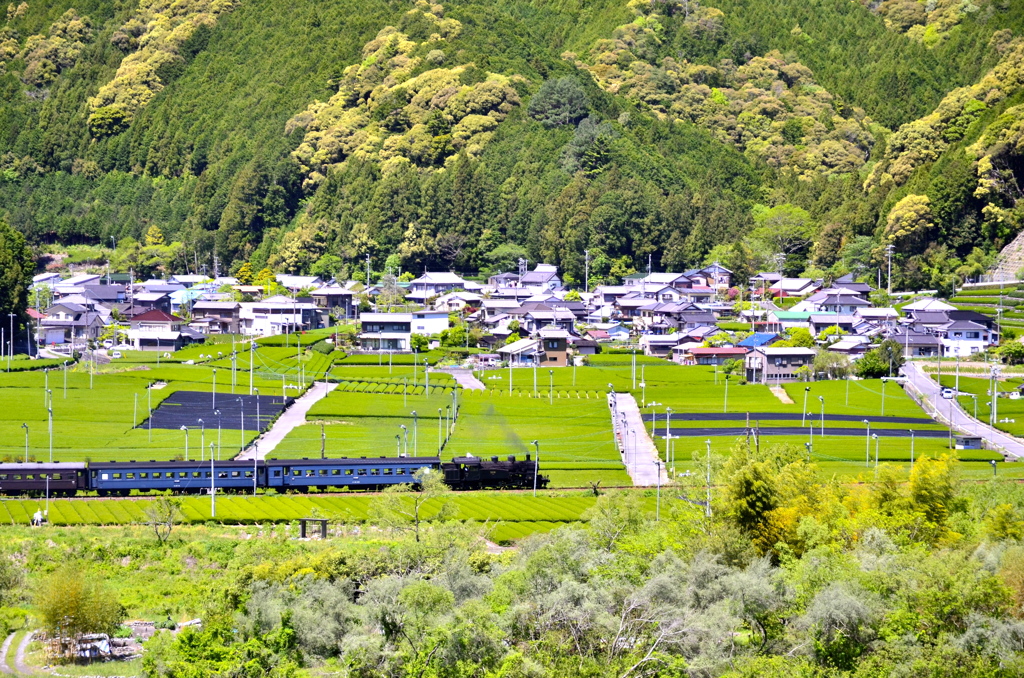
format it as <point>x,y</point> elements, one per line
<point>638,451</point>
<point>289,419</point>
<point>928,390</point>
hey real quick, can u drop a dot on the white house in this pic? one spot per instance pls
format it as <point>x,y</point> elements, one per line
<point>965,338</point>
<point>277,315</point>
<point>393,331</point>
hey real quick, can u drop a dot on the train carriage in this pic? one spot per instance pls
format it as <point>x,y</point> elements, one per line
<point>300,475</point>
<point>181,477</point>
<point>59,479</point>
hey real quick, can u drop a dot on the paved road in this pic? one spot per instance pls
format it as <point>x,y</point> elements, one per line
<point>1012,448</point>
<point>468,380</point>
<point>636,447</point>
<point>289,419</point>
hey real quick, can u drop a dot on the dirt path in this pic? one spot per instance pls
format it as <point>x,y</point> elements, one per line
<point>20,667</point>
<point>4,668</point>
<point>781,394</point>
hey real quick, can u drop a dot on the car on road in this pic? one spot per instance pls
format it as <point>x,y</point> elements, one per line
<point>948,393</point>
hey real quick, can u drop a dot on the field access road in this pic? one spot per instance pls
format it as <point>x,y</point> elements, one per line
<point>289,419</point>
<point>1012,448</point>
<point>638,451</point>
<point>467,380</point>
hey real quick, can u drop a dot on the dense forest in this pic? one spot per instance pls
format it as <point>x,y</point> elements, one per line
<point>306,136</point>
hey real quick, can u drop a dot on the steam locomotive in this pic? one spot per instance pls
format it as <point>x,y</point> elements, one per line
<point>66,479</point>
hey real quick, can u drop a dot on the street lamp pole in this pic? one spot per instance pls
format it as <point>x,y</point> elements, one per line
<point>185,429</point>
<point>803,413</point>
<point>213,487</point>
<point>867,444</point>
<point>259,422</point>
<point>406,432</point>
<point>725,405</point>
<point>241,419</point>
<point>202,439</point>
<point>551,387</point>
<point>214,388</point>
<point>439,430</point>
<point>536,465</point>
<point>821,399</point>
<point>217,413</point>
<point>415,435</point>
<point>875,436</point>
<point>884,382</point>
<point>25,426</point>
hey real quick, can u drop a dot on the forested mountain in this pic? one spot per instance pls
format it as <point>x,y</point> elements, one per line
<point>306,135</point>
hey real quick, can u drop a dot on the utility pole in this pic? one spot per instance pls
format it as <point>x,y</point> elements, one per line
<point>888,250</point>
<point>367,273</point>
<point>586,264</point>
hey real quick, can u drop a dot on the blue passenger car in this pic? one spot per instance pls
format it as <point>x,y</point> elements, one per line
<point>372,473</point>
<point>183,477</point>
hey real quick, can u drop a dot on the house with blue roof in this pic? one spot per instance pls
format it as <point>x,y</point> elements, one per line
<point>758,339</point>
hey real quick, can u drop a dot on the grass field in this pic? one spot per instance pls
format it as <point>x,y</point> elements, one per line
<point>574,435</point>
<point>98,423</point>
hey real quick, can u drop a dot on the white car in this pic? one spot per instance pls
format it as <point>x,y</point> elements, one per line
<point>948,393</point>
<point>108,344</point>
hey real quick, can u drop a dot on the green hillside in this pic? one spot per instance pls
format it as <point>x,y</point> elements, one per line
<point>305,136</point>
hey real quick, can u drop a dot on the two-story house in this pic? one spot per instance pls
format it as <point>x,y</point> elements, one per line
<point>333,299</point>
<point>160,331</point>
<point>70,323</point>
<point>393,332</point>
<point>216,317</point>
<point>278,315</point>
<point>432,284</point>
<point>965,338</point>
<point>766,364</point>
<point>544,275</point>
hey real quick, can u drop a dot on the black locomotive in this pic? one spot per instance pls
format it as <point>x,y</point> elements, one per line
<point>113,478</point>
